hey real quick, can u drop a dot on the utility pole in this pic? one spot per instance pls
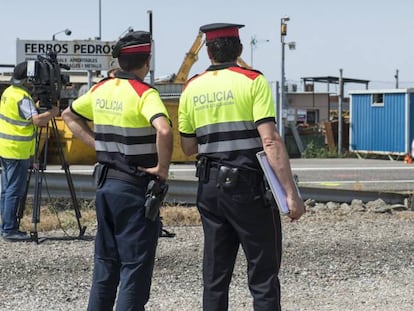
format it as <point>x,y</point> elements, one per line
<point>100,21</point>
<point>283,32</point>
<point>152,65</point>
<point>340,98</point>
<point>278,105</point>
<point>292,46</point>
<point>396,79</point>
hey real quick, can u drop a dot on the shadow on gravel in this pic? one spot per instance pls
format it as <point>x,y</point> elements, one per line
<point>40,240</point>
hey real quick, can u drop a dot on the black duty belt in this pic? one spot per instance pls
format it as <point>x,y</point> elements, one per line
<point>133,179</point>
<point>246,175</point>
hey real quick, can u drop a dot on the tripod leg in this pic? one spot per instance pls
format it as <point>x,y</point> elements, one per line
<point>69,180</point>
<point>38,169</point>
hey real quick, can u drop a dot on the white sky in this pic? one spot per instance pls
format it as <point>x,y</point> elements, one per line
<point>368,39</point>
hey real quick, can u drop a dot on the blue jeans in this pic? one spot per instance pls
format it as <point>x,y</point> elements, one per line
<point>13,186</point>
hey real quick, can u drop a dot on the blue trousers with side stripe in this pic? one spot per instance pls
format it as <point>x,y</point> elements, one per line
<point>234,217</point>
<point>125,248</point>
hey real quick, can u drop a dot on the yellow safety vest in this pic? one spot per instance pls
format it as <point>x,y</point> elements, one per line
<point>17,135</point>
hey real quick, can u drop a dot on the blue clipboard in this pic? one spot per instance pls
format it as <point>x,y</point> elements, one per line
<point>277,190</point>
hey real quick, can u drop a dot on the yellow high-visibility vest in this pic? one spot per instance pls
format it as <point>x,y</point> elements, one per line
<point>17,135</point>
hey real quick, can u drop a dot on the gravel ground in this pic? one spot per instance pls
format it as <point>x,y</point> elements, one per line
<point>337,257</point>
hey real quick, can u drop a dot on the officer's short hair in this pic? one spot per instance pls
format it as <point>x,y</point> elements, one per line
<point>133,50</point>
<point>223,41</point>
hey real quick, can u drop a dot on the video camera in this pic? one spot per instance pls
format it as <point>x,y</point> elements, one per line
<point>45,77</point>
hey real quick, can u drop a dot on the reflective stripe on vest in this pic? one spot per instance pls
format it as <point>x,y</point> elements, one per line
<point>15,122</point>
<point>127,141</point>
<point>214,138</point>
<point>17,138</point>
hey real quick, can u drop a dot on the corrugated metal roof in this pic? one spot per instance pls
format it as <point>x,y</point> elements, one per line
<point>405,90</point>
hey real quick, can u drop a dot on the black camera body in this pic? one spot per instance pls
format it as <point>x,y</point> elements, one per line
<point>46,80</point>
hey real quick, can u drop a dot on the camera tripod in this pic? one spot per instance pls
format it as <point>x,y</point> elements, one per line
<point>38,170</point>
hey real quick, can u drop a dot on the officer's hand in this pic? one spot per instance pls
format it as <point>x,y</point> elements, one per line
<point>296,208</point>
<point>161,173</point>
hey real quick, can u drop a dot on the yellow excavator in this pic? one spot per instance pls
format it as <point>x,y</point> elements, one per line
<point>192,56</point>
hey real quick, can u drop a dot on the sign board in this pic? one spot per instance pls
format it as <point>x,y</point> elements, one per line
<point>86,55</point>
<point>301,115</point>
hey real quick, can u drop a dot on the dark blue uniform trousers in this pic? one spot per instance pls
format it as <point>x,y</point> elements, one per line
<point>233,217</point>
<point>125,248</point>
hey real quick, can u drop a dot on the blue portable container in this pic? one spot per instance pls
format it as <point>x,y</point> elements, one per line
<point>381,121</point>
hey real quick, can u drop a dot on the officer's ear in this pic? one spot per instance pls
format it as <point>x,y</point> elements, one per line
<point>148,61</point>
<point>240,49</point>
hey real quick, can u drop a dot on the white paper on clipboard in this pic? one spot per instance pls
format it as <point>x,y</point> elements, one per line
<point>278,192</point>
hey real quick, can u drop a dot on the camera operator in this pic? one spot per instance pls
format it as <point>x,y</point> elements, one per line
<point>19,118</point>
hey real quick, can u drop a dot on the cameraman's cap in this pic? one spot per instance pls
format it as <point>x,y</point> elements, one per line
<point>136,42</point>
<point>221,30</point>
<point>19,72</point>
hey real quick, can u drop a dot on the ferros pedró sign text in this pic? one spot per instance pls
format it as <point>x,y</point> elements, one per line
<point>86,55</point>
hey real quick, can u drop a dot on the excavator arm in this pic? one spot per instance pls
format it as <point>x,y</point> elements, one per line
<point>190,58</point>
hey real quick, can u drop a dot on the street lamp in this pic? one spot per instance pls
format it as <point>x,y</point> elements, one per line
<point>67,32</point>
<point>282,101</point>
<point>152,64</point>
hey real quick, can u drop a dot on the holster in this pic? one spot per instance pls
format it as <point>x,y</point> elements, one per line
<point>203,169</point>
<point>156,192</point>
<point>99,174</point>
<point>227,177</point>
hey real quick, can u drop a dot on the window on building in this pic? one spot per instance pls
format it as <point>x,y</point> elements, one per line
<point>377,100</point>
<point>312,116</point>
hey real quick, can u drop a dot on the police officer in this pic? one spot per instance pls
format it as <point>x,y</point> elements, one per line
<point>132,137</point>
<point>19,119</point>
<point>226,116</point>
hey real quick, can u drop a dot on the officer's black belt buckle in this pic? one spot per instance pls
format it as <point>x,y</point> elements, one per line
<point>119,175</point>
<point>227,177</point>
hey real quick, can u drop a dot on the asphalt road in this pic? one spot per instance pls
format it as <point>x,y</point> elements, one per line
<point>353,174</point>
